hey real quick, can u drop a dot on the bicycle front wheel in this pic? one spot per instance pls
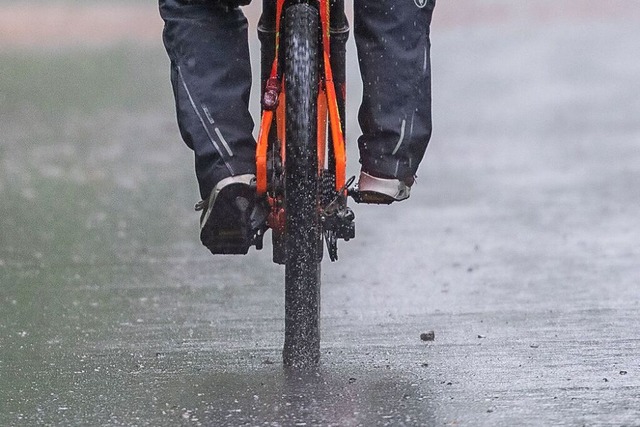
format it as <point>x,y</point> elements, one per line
<point>303,229</point>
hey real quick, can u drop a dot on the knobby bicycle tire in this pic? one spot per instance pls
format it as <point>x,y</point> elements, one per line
<point>303,228</point>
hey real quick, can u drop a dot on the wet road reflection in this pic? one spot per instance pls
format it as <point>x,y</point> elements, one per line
<point>323,398</point>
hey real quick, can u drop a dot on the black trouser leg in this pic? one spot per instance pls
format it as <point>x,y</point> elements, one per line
<point>393,44</point>
<point>211,77</point>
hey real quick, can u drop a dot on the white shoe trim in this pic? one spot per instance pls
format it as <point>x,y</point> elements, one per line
<point>247,179</point>
<point>393,188</point>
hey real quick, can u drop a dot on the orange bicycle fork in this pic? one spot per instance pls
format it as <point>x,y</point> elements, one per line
<point>334,32</point>
<point>332,90</point>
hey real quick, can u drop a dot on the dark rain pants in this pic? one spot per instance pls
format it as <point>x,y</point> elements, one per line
<point>211,77</point>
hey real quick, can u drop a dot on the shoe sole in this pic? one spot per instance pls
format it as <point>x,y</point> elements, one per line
<point>380,191</point>
<point>226,229</point>
<point>374,198</point>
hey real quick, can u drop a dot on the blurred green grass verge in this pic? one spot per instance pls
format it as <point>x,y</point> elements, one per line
<point>76,81</point>
<point>91,167</point>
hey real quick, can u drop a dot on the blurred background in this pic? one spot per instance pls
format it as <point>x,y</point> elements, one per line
<point>522,229</point>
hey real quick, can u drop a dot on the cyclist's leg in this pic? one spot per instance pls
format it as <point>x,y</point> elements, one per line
<point>393,44</point>
<point>211,77</point>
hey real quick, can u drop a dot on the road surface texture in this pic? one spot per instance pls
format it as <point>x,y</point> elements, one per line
<point>518,248</point>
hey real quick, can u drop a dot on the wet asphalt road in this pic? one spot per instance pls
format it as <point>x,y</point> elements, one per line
<point>518,247</point>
